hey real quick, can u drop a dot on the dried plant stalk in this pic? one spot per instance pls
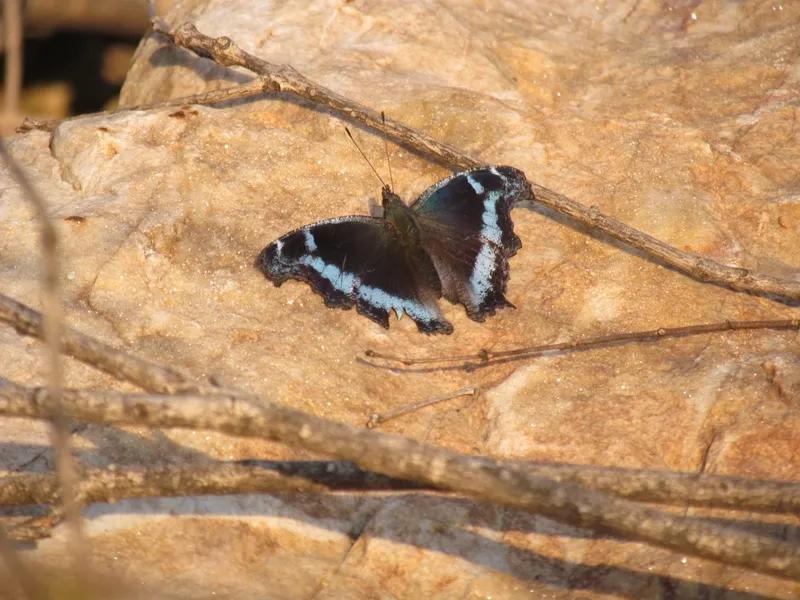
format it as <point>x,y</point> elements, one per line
<point>285,79</point>
<point>116,483</point>
<point>486,358</point>
<point>52,326</point>
<point>245,477</point>
<point>12,48</point>
<point>126,367</point>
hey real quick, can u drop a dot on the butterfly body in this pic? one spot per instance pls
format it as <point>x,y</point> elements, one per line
<point>453,241</point>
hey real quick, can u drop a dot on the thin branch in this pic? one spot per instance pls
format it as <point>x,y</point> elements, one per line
<point>244,477</point>
<point>12,42</point>
<point>376,418</point>
<point>116,483</point>
<point>210,98</point>
<point>694,265</point>
<point>285,79</point>
<point>52,327</point>
<point>126,367</point>
<point>395,456</point>
<point>485,358</point>
<point>682,489</point>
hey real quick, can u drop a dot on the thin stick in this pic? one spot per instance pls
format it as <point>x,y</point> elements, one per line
<point>211,98</point>
<point>12,21</point>
<point>403,458</point>
<point>285,79</point>
<point>643,485</point>
<point>52,330</point>
<point>376,418</point>
<point>487,358</point>
<point>126,367</point>
<point>115,483</point>
<point>694,265</point>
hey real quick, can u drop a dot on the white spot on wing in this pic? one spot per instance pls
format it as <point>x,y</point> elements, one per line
<point>381,299</point>
<point>494,171</point>
<point>279,247</point>
<point>311,243</point>
<point>348,282</point>
<point>475,184</point>
<point>491,229</point>
<point>341,280</point>
<point>480,282</point>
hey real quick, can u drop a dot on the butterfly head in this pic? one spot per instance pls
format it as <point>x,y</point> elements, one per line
<point>400,217</point>
<point>389,199</point>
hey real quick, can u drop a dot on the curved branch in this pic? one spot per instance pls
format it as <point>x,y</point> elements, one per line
<point>285,79</point>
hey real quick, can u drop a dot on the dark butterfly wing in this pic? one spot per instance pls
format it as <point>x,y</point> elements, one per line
<point>466,227</point>
<point>356,261</point>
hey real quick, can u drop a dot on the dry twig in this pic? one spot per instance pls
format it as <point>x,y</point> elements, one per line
<point>377,418</point>
<point>126,367</point>
<point>486,358</point>
<point>395,456</point>
<point>664,487</point>
<point>211,98</point>
<point>12,48</point>
<point>52,331</point>
<point>285,79</point>
<point>114,483</point>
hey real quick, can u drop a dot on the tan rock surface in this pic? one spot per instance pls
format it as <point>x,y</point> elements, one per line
<point>678,118</point>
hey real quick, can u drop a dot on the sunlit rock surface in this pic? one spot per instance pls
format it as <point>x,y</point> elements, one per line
<point>677,117</point>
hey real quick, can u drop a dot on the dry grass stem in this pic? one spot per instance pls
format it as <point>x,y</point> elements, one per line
<point>12,47</point>
<point>115,483</point>
<point>125,367</point>
<point>486,358</point>
<point>212,98</point>
<point>52,326</point>
<point>377,418</point>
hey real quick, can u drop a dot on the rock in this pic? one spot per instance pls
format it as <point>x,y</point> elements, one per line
<point>676,119</point>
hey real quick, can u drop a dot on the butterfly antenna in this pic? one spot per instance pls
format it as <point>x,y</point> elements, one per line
<point>386,148</point>
<point>350,135</point>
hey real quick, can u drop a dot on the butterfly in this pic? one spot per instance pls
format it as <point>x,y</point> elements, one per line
<point>453,241</point>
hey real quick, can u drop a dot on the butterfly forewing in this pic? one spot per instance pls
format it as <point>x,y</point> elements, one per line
<point>357,261</point>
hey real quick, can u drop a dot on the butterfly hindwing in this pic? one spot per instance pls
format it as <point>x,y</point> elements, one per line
<point>466,228</point>
<point>357,261</point>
